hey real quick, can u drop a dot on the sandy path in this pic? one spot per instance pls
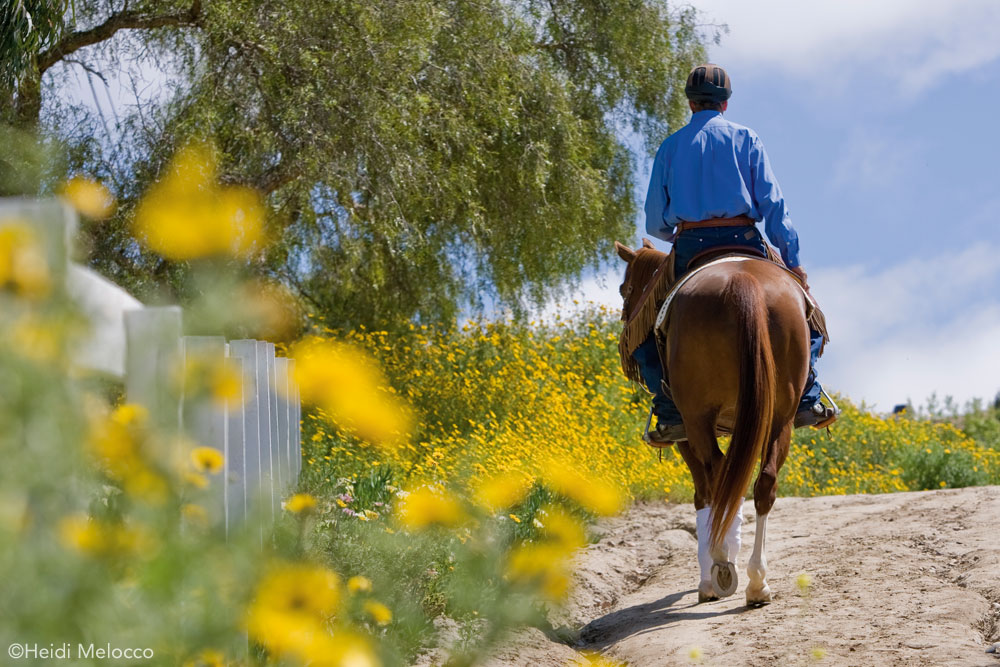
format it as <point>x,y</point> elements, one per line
<point>899,579</point>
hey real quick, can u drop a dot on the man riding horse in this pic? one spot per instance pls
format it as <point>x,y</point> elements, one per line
<point>711,183</point>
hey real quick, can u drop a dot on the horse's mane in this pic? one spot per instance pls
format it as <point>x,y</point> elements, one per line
<point>642,292</point>
<point>641,270</point>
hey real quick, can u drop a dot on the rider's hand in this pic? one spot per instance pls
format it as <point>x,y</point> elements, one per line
<point>801,273</point>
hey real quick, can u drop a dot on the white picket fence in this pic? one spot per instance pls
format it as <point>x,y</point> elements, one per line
<point>257,431</point>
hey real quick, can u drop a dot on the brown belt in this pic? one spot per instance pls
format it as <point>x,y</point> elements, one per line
<point>738,221</point>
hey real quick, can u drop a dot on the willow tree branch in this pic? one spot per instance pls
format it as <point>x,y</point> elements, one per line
<point>126,20</point>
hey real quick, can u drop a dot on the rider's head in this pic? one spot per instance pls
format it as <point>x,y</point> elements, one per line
<point>708,87</point>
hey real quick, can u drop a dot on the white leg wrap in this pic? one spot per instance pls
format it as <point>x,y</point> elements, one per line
<point>702,524</point>
<point>733,539</point>
<point>757,567</point>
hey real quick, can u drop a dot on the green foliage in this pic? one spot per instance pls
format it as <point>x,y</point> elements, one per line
<point>418,154</point>
<point>26,27</point>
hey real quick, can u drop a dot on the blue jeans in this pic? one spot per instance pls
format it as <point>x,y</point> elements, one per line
<point>686,246</point>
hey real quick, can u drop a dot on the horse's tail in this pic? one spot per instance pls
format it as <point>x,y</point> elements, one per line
<point>754,403</point>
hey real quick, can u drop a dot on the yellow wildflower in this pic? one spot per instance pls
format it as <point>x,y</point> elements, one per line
<point>300,503</point>
<point>186,215</point>
<point>359,584</point>
<point>544,565</point>
<point>81,534</point>
<point>207,459</point>
<point>348,386</point>
<point>195,479</point>
<point>426,507</point>
<point>594,494</point>
<point>194,513</point>
<point>588,659</point>
<point>88,197</point>
<point>381,614</point>
<point>207,658</point>
<point>503,491</point>
<point>99,538</point>
<point>24,269</point>
<point>804,581</point>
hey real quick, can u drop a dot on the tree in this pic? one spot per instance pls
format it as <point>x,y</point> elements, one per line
<point>416,153</point>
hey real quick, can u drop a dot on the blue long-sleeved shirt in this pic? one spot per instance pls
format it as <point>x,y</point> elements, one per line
<point>712,168</point>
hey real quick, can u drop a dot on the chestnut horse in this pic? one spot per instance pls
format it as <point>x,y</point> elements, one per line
<point>737,356</point>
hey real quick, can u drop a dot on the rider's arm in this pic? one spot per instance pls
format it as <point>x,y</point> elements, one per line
<point>771,204</point>
<point>657,198</point>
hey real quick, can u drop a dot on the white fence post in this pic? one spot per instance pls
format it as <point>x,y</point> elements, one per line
<point>152,356</point>
<point>265,386</point>
<point>253,463</point>
<point>203,416</point>
<point>236,475</point>
<point>284,443</point>
<point>294,447</point>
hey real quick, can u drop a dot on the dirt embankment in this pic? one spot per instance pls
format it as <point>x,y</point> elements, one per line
<point>899,579</point>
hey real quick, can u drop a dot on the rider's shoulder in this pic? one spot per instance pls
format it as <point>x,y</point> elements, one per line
<point>737,127</point>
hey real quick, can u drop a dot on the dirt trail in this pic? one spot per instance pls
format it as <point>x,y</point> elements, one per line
<point>898,579</point>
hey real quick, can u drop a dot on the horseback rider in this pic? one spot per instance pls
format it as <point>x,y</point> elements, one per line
<point>711,183</point>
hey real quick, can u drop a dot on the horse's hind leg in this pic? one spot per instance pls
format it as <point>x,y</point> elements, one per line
<point>704,446</point>
<point>702,506</point>
<point>764,493</point>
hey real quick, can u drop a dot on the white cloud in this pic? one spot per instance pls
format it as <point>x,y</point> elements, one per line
<point>908,44</point>
<point>900,331</point>
<point>911,329</point>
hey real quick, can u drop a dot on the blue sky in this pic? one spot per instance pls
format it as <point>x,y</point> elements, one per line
<point>878,118</point>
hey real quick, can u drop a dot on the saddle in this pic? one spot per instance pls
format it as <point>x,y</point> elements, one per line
<point>650,314</point>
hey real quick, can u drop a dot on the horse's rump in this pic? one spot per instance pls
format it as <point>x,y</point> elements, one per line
<point>737,355</point>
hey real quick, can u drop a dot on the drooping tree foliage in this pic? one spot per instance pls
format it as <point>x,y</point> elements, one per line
<point>416,153</point>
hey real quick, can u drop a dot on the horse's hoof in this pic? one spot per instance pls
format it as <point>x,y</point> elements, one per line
<point>706,592</point>
<point>759,598</point>
<point>724,579</point>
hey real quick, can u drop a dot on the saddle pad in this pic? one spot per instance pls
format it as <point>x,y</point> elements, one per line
<point>661,318</point>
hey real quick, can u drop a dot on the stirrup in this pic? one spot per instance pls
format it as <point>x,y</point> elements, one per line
<point>650,435</point>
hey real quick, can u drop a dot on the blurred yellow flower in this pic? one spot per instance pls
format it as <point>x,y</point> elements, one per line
<point>129,414</point>
<point>226,383</point>
<point>426,507</point>
<point>300,503</point>
<point>588,659</point>
<point>804,581</point>
<point>818,653</point>
<point>381,614</point>
<point>543,565</point>
<point>207,658</point>
<point>36,338</point>
<point>118,443</point>
<point>300,588</point>
<point>594,494</point>
<point>195,479</point>
<point>186,215</point>
<point>207,459</point>
<point>346,383</point>
<point>695,654</point>
<point>502,491</point>
<point>563,529</point>
<point>98,538</point>
<point>359,584</point>
<point>195,514</point>
<point>88,197</point>
<point>81,534</point>
<point>24,270</point>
